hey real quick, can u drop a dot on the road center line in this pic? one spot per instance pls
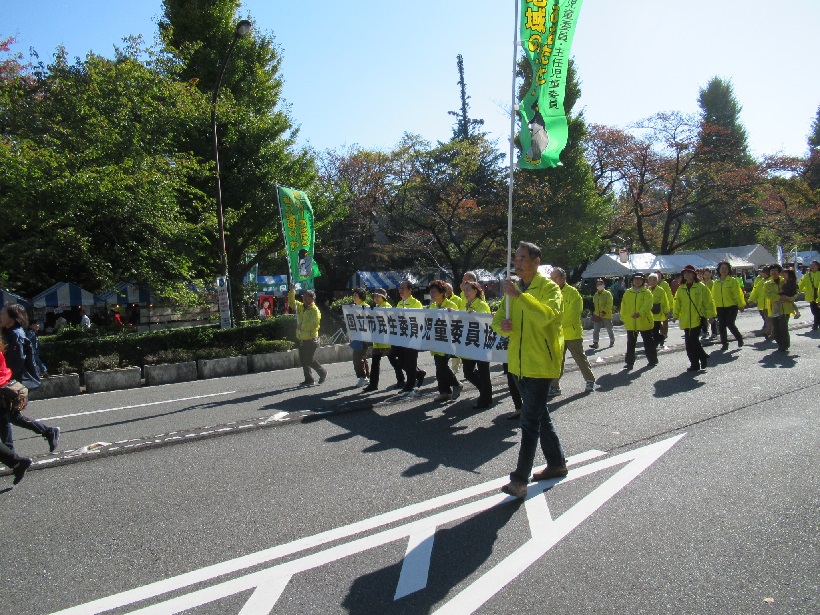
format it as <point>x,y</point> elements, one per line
<point>153,403</point>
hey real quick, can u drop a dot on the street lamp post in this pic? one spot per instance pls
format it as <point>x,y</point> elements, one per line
<point>242,29</point>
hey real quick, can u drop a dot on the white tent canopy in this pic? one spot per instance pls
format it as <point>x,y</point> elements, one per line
<point>610,265</point>
<point>745,256</point>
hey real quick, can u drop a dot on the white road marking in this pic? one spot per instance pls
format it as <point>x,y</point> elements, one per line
<point>416,564</point>
<point>268,584</point>
<point>153,403</point>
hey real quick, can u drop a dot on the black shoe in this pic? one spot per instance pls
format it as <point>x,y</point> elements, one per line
<point>322,377</point>
<point>693,368</point>
<point>724,346</point>
<point>307,383</point>
<point>52,435</point>
<point>20,468</point>
<point>514,416</point>
<point>653,364</point>
<point>420,378</point>
<point>481,405</point>
<point>628,366</point>
<point>370,388</point>
<point>740,342</point>
<point>703,363</point>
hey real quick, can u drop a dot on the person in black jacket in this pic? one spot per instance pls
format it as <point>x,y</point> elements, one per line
<point>19,359</point>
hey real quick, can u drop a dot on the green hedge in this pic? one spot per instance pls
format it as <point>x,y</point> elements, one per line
<point>129,349</point>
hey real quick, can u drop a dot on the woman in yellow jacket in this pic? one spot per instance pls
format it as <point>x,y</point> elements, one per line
<point>660,308</point>
<point>756,296</point>
<point>448,385</point>
<point>728,297</point>
<point>693,302</point>
<point>383,350</point>
<point>636,313</point>
<point>810,285</point>
<point>477,373</point>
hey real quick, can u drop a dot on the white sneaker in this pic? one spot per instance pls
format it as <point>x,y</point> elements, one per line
<point>413,393</point>
<point>363,382</point>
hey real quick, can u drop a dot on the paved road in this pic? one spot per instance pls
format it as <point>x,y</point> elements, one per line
<point>688,494</point>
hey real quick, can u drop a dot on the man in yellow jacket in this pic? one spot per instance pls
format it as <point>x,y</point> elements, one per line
<point>602,304</point>
<point>308,318</point>
<point>810,285</point>
<point>636,313</point>
<point>756,296</point>
<point>534,359</point>
<point>693,301</point>
<point>572,330</point>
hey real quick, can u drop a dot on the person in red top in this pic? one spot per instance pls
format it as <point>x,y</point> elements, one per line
<point>8,457</point>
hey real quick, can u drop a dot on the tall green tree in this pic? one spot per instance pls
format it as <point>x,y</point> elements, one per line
<point>723,152</point>
<point>257,139</point>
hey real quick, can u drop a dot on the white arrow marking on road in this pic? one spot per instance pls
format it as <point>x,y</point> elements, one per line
<point>416,564</point>
<point>268,584</point>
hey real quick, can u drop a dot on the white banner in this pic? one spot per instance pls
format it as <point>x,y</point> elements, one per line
<point>461,334</point>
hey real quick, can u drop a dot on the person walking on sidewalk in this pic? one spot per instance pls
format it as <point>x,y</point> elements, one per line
<point>448,385</point>
<point>660,309</point>
<point>810,285</point>
<point>708,329</point>
<point>17,375</point>
<point>534,354</point>
<point>308,318</point>
<point>573,332</point>
<point>756,296</point>
<point>602,304</point>
<point>477,373</point>
<point>693,302</point>
<point>360,366</point>
<point>636,312</point>
<point>728,297</point>
<point>383,350</point>
<point>781,306</point>
<point>409,357</point>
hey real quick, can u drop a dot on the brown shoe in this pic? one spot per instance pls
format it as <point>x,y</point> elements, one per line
<point>516,488</point>
<point>550,472</point>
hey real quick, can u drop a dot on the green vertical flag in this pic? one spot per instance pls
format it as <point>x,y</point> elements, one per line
<point>547,27</point>
<point>300,235</point>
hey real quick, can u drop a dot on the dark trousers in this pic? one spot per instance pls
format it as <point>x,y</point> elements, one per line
<point>815,311</point>
<point>695,352</point>
<point>307,350</point>
<point>536,426</point>
<point>657,333</point>
<point>477,373</point>
<point>726,317</point>
<point>375,365</point>
<point>445,378</point>
<point>8,457</point>
<point>409,358</point>
<point>20,421</point>
<point>360,363</point>
<point>514,392</point>
<point>780,332</point>
<point>704,326</point>
<point>649,346</point>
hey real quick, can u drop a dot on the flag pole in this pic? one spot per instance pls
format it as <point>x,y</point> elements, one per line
<point>512,150</point>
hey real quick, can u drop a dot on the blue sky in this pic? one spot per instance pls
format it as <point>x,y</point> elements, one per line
<point>364,72</point>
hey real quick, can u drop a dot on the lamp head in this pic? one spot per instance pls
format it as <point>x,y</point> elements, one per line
<point>243,28</point>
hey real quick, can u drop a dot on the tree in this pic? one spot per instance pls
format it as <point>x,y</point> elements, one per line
<point>93,189</point>
<point>723,150</point>
<point>256,135</point>
<point>465,126</point>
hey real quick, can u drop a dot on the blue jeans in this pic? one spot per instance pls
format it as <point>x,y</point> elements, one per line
<point>536,425</point>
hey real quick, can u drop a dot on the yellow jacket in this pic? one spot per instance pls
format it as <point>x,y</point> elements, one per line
<point>412,303</point>
<point>571,325</point>
<point>772,291</point>
<point>810,284</point>
<point>756,296</point>
<point>307,319</point>
<point>728,293</point>
<point>640,302</point>
<point>659,297</point>
<point>536,345</point>
<point>602,303</point>
<point>670,298</point>
<point>459,300</point>
<point>692,304</point>
<point>478,305</point>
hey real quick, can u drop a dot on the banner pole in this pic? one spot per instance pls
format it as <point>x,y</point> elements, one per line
<point>512,151</point>
<point>285,242</point>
